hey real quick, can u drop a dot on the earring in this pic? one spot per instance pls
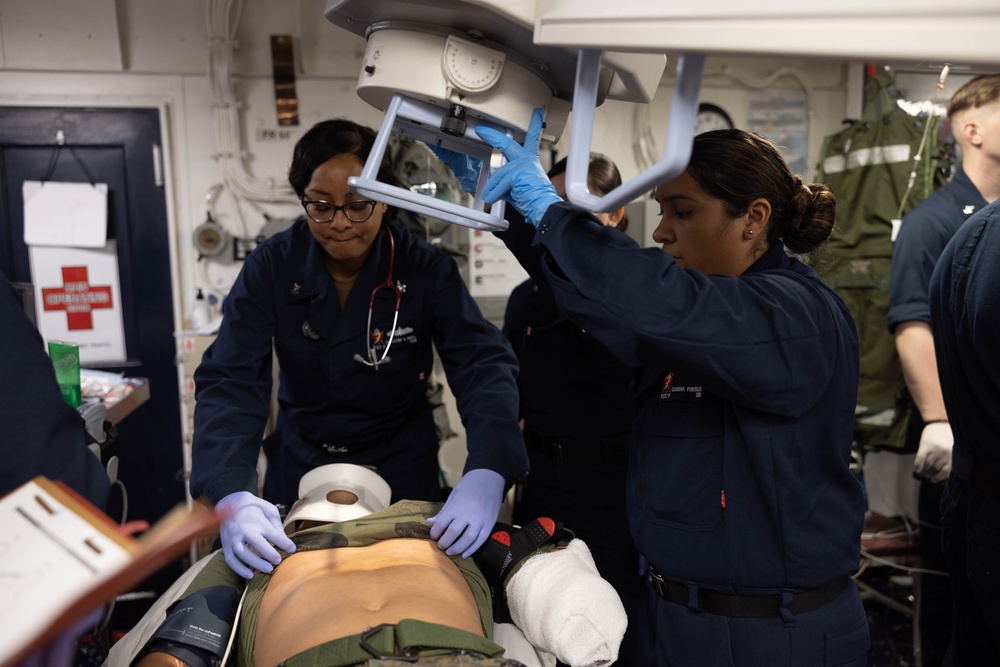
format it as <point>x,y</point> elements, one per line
<point>750,232</point>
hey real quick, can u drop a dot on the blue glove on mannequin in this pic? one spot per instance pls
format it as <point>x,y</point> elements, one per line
<point>469,514</point>
<point>522,180</point>
<point>465,167</point>
<point>251,523</point>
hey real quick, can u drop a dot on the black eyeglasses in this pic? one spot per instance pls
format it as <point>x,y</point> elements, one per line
<point>323,211</point>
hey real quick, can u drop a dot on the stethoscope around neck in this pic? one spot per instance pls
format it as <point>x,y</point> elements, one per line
<point>375,359</point>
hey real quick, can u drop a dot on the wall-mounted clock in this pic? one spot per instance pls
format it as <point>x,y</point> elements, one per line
<point>711,117</point>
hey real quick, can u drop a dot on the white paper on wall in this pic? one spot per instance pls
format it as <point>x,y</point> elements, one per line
<point>78,299</point>
<point>493,269</point>
<point>65,214</point>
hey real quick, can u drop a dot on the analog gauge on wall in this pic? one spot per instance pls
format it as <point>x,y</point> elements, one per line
<point>711,117</point>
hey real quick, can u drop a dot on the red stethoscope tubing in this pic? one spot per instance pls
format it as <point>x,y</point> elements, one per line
<point>373,360</point>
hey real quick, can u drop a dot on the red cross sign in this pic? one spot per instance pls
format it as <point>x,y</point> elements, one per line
<point>77,297</point>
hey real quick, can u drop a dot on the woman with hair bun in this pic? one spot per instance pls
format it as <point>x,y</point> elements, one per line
<point>740,493</point>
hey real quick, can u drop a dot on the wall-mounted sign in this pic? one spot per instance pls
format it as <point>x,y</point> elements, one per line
<point>65,214</point>
<point>78,299</point>
<point>493,269</point>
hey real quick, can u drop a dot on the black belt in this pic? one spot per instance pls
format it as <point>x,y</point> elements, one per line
<point>612,448</point>
<point>983,478</point>
<point>745,606</point>
<point>374,437</point>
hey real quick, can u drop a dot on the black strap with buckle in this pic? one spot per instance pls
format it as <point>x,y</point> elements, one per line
<point>744,606</point>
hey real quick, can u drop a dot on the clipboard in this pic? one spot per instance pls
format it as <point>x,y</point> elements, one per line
<point>61,558</point>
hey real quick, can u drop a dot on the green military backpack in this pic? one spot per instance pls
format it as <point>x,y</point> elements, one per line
<point>879,168</point>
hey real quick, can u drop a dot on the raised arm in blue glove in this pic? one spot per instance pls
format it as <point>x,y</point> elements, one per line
<point>465,168</point>
<point>470,512</point>
<point>250,531</point>
<point>522,180</point>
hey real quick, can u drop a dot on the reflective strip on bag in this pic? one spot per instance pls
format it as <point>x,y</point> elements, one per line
<point>864,157</point>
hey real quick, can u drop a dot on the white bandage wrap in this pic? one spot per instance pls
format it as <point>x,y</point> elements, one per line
<point>564,607</point>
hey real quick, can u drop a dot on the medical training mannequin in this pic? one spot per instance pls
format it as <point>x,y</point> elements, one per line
<point>740,492</point>
<point>353,306</point>
<point>362,564</point>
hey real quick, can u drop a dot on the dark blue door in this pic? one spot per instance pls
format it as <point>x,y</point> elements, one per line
<point>113,146</point>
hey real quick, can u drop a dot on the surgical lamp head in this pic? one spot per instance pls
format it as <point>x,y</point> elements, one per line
<point>438,68</point>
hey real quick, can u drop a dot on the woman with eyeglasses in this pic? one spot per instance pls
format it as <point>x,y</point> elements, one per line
<point>351,305</point>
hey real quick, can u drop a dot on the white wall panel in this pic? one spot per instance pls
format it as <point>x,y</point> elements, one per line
<point>167,37</point>
<point>60,35</point>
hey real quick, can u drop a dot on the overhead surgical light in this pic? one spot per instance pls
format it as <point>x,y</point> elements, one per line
<point>438,68</point>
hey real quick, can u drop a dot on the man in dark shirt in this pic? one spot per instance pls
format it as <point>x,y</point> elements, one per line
<point>41,433</point>
<point>965,319</point>
<point>973,112</point>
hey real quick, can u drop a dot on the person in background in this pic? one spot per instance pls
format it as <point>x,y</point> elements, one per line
<point>577,408</point>
<point>42,433</point>
<point>740,492</point>
<point>965,318</point>
<point>974,117</point>
<point>351,304</point>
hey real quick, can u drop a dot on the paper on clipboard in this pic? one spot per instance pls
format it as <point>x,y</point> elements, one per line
<point>62,557</point>
<point>65,214</point>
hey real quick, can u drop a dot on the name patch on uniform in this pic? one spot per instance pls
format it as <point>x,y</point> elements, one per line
<point>674,391</point>
<point>404,335</point>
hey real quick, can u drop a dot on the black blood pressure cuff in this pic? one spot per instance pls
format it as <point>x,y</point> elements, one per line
<point>198,628</point>
<point>189,655</point>
<point>507,547</point>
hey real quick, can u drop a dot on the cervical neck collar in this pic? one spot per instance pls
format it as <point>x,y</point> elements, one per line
<point>372,493</point>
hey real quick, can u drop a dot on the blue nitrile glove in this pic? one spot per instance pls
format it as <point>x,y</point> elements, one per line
<point>465,167</point>
<point>522,180</point>
<point>251,522</point>
<point>470,512</point>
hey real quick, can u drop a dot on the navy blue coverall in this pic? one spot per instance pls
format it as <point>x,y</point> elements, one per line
<point>965,319</point>
<point>925,232</point>
<point>42,434</point>
<point>578,405</point>
<point>739,478</point>
<point>332,407</point>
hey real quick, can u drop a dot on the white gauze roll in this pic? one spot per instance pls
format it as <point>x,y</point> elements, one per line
<point>564,607</point>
